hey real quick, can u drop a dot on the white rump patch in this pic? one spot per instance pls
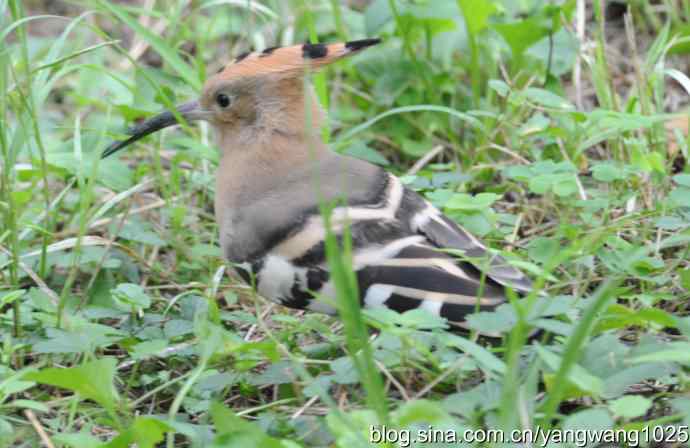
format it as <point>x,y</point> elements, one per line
<point>432,306</point>
<point>377,295</point>
<point>277,276</point>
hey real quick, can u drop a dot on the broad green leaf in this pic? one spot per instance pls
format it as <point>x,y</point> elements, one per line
<point>6,429</point>
<point>541,184</point>
<point>522,34</point>
<point>616,385</point>
<point>672,352</point>
<point>560,51</point>
<point>493,322</point>
<point>344,371</point>
<point>604,124</point>
<point>684,276</point>
<point>10,296</point>
<point>281,372</point>
<point>484,397</point>
<point>578,375</point>
<point>680,197</point>
<point>682,179</point>
<point>607,172</point>
<point>320,385</point>
<point>234,432</point>
<point>421,319</point>
<point>112,173</point>
<point>536,124</point>
<point>421,411</point>
<point>363,151</point>
<point>145,432</point>
<point>570,390</point>
<point>670,223</point>
<point>92,380</point>
<point>499,87</point>
<point>620,316</point>
<point>543,249</point>
<point>213,381</point>
<point>467,202</point>
<point>682,405</point>
<point>596,419</point>
<point>83,339</point>
<point>352,430</point>
<point>139,231</point>
<point>78,440</point>
<point>178,327</point>
<point>479,353</point>
<point>546,98</point>
<point>479,223</point>
<point>630,406</point>
<point>148,348</point>
<point>131,295</point>
<point>376,15</point>
<point>476,14</point>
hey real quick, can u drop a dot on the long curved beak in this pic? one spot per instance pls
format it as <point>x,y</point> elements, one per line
<point>190,111</point>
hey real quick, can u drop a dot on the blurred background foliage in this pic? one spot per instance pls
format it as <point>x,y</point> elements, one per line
<point>556,130</point>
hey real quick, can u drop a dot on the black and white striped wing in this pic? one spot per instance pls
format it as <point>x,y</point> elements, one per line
<point>442,232</point>
<point>421,275</point>
<point>397,240</point>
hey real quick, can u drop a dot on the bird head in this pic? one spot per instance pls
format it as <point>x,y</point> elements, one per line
<point>258,91</point>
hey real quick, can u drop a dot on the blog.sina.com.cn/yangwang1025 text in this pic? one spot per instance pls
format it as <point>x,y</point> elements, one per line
<point>537,436</point>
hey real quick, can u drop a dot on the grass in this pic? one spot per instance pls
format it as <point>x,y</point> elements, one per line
<point>120,327</point>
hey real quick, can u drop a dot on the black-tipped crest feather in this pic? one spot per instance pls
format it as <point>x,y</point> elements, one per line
<point>314,51</point>
<point>355,45</point>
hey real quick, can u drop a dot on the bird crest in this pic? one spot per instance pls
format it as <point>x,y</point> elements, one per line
<point>293,60</point>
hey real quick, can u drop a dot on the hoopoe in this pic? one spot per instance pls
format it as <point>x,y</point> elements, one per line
<point>275,169</point>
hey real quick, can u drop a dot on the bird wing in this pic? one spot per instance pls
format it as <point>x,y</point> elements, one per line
<point>420,275</point>
<point>397,237</point>
<point>445,233</point>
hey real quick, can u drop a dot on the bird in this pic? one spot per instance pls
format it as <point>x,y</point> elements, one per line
<point>274,172</point>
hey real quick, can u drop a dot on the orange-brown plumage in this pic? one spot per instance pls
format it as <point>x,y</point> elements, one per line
<point>292,60</point>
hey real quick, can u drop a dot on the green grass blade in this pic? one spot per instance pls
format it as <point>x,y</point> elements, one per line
<point>574,346</point>
<point>405,109</point>
<point>168,54</point>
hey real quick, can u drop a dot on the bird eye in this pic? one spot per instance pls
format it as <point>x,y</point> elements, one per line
<point>223,100</point>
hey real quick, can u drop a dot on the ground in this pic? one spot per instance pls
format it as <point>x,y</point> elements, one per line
<point>556,131</point>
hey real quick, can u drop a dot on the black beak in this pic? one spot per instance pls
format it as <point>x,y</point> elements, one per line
<point>190,111</point>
